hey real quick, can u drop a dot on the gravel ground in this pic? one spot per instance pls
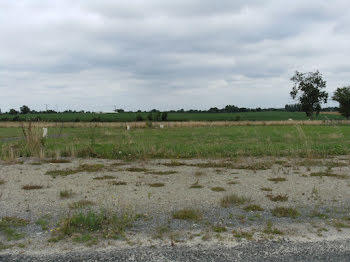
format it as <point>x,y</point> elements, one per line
<point>323,204</point>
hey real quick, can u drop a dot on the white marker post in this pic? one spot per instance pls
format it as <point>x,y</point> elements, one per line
<point>44,132</point>
<point>128,128</point>
<point>161,126</point>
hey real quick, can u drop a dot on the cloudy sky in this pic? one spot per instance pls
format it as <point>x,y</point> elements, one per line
<point>138,54</point>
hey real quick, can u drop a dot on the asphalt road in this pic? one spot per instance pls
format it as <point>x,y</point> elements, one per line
<point>254,251</point>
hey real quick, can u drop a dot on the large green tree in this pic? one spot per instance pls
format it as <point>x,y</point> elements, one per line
<point>308,90</point>
<point>342,96</point>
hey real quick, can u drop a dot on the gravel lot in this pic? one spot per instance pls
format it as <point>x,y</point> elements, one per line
<point>317,188</point>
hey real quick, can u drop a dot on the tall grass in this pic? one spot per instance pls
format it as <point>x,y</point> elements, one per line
<point>184,142</point>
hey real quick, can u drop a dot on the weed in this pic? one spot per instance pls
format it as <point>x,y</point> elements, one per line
<point>81,204</point>
<point>253,208</point>
<point>156,185</point>
<point>277,179</point>
<point>43,222</point>
<point>66,193</point>
<point>233,199</point>
<point>218,189</point>
<point>267,189</point>
<point>327,174</point>
<point>104,177</point>
<point>86,238</point>
<point>174,163</point>
<point>35,164</point>
<point>2,181</point>
<point>3,246</point>
<point>161,230</point>
<point>31,187</point>
<point>319,215</point>
<point>278,198</point>
<point>198,173</point>
<point>243,234</point>
<point>188,214</point>
<point>7,225</point>
<point>117,183</point>
<point>271,230</point>
<point>285,212</point>
<point>82,168</point>
<point>107,224</point>
<point>339,225</point>
<point>137,169</point>
<point>161,173</point>
<point>219,229</point>
<point>232,182</point>
<point>196,185</point>
<point>57,161</point>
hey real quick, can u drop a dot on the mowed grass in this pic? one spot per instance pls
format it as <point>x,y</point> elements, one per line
<point>188,142</point>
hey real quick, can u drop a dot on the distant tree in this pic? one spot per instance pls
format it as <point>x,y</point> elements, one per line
<point>13,112</point>
<point>342,96</point>
<point>293,108</point>
<point>24,109</point>
<point>139,117</point>
<point>164,116</point>
<point>119,110</point>
<point>307,90</point>
<point>150,117</point>
<point>213,110</point>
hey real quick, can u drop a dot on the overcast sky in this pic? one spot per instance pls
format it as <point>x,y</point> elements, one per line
<point>144,54</point>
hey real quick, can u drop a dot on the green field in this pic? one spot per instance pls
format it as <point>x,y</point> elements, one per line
<point>184,142</point>
<point>128,117</point>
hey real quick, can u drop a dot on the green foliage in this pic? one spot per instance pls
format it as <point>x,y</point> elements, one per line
<point>307,90</point>
<point>342,96</point>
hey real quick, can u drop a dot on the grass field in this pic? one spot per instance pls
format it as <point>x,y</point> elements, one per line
<point>129,117</point>
<point>181,142</point>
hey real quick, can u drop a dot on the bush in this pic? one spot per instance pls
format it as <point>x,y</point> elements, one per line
<point>164,116</point>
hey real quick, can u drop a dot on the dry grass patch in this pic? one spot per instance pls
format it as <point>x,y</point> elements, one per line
<point>285,212</point>
<point>233,182</point>
<point>188,214</point>
<point>269,229</point>
<point>156,185</point>
<point>233,200</point>
<point>81,204</point>
<point>277,179</point>
<point>266,189</point>
<point>32,187</point>
<point>117,183</point>
<point>57,161</point>
<point>218,189</point>
<point>198,174</point>
<point>174,163</point>
<point>162,173</point>
<point>82,168</point>
<point>196,185</point>
<point>243,234</point>
<point>327,174</point>
<point>66,193</point>
<point>137,169</point>
<point>278,198</point>
<point>104,177</point>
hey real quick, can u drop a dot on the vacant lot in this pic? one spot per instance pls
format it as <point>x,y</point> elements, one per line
<point>49,204</point>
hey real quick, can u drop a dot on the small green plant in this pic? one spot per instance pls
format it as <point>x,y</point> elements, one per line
<point>232,182</point>
<point>82,168</point>
<point>327,174</point>
<point>277,179</point>
<point>218,189</point>
<point>232,200</point>
<point>285,212</point>
<point>161,230</point>
<point>269,229</point>
<point>253,208</point>
<point>188,214</point>
<point>2,181</point>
